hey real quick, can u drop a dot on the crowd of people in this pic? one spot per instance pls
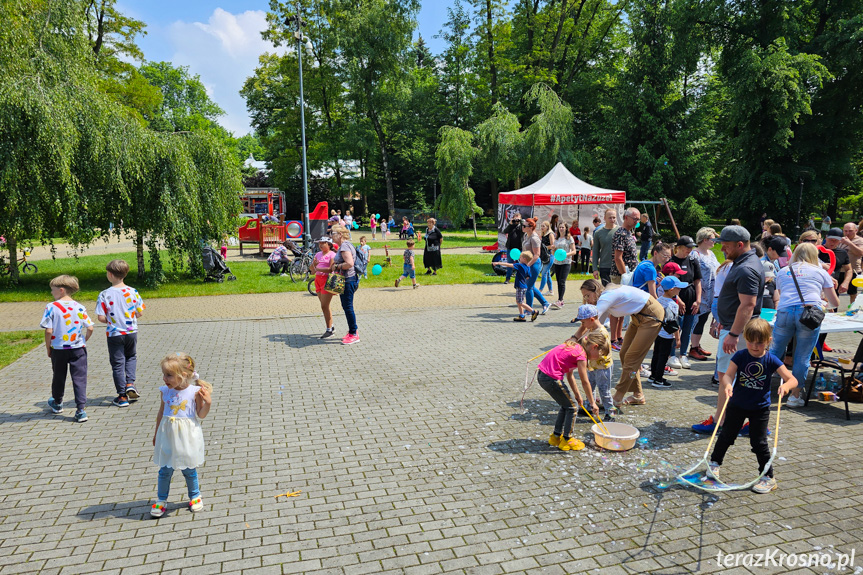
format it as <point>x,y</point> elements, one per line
<point>665,301</point>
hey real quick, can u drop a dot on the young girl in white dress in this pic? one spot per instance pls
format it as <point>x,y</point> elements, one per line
<point>179,440</point>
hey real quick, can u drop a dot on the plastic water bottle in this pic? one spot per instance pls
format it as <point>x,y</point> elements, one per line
<point>837,383</point>
<point>820,383</point>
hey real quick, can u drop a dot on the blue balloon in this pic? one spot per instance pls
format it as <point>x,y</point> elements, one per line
<point>514,254</point>
<point>356,226</point>
<point>559,255</point>
<point>377,216</point>
<point>376,270</point>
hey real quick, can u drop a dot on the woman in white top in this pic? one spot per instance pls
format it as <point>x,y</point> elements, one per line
<point>704,239</point>
<point>646,315</point>
<point>813,282</point>
<point>585,244</point>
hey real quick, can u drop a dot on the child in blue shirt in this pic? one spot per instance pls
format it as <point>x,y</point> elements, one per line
<point>522,276</point>
<point>664,343</point>
<point>753,368</point>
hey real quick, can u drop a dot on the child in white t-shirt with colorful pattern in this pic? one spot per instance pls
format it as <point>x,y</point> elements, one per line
<point>119,307</point>
<point>67,329</point>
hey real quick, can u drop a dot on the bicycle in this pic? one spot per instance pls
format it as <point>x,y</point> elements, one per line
<point>299,269</point>
<point>28,268</point>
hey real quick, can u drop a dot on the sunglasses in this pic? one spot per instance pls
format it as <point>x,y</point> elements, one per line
<point>810,241</point>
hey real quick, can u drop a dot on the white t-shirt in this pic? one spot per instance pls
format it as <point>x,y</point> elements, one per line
<point>621,302</point>
<point>585,241</point>
<point>120,306</point>
<point>812,280</point>
<point>349,219</point>
<point>68,321</point>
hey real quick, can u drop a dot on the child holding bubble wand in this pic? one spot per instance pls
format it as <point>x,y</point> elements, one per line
<point>746,386</point>
<point>561,362</point>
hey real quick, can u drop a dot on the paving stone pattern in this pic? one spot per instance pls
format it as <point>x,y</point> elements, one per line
<point>412,456</point>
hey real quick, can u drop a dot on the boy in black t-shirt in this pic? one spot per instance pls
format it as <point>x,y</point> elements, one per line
<point>748,376</point>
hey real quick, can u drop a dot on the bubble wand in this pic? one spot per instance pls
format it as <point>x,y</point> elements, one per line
<point>715,484</point>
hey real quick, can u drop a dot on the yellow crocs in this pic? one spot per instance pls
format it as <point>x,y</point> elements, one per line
<point>571,444</point>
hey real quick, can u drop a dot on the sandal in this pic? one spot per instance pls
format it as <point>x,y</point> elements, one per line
<point>632,400</point>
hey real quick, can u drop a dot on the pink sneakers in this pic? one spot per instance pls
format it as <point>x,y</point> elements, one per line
<point>350,339</point>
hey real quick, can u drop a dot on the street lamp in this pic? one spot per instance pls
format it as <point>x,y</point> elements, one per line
<point>297,22</point>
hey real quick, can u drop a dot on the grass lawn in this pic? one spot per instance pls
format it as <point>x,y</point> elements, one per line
<point>252,277</point>
<point>14,344</point>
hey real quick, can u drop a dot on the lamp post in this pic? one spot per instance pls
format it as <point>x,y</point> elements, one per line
<point>297,22</point>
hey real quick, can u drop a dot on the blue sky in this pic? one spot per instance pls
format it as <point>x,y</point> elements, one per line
<point>220,41</point>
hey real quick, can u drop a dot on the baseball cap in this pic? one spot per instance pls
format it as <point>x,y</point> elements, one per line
<point>777,245</point>
<point>686,241</point>
<point>586,311</point>
<point>734,234</point>
<point>769,270</point>
<point>835,233</point>
<point>325,239</point>
<point>670,282</point>
<point>672,269</point>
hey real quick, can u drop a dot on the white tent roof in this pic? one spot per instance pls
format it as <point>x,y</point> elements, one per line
<point>559,186</point>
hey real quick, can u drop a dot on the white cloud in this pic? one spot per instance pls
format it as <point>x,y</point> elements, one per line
<point>224,52</point>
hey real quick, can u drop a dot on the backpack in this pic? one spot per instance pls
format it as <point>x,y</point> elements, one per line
<point>361,261</point>
<point>544,256</point>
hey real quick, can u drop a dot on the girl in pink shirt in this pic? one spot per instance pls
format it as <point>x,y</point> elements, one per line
<point>563,361</point>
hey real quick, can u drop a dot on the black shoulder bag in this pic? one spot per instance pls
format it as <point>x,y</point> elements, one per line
<point>812,316</point>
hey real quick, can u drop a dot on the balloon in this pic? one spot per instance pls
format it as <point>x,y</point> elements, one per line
<point>377,216</point>
<point>857,282</point>
<point>356,226</point>
<point>514,254</point>
<point>830,255</point>
<point>559,255</point>
<point>376,270</point>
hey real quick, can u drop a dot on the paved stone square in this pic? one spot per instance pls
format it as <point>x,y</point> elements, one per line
<point>412,456</point>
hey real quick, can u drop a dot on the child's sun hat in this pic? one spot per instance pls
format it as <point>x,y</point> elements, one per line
<point>586,311</point>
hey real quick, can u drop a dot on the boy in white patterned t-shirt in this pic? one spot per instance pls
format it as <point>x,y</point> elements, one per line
<point>120,306</point>
<point>67,329</point>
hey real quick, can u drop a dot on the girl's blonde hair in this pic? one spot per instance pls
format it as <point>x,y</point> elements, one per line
<point>598,339</point>
<point>183,366</point>
<point>545,228</point>
<point>807,254</point>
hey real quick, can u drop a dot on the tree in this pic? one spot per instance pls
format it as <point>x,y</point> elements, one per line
<point>376,35</point>
<point>112,38</point>
<point>185,107</point>
<point>454,81</point>
<point>454,158</point>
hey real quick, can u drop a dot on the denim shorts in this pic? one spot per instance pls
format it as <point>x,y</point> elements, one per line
<point>409,272</point>
<point>723,360</point>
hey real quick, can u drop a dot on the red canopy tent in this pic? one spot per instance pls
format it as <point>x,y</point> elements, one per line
<point>559,192</point>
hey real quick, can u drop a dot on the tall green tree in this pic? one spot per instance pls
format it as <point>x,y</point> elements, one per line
<point>375,40</point>
<point>185,106</point>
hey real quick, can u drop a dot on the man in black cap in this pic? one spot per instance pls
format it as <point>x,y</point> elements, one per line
<point>842,272</point>
<point>739,301</point>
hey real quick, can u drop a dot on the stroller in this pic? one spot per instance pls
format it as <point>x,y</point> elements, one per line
<point>215,266</point>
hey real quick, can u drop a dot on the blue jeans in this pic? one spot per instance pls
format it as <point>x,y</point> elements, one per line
<point>545,275</point>
<point>531,285</point>
<point>164,486</point>
<point>687,324</point>
<point>787,326</point>
<point>645,250</point>
<point>347,299</point>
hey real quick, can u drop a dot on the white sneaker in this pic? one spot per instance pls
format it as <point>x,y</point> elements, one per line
<point>684,362</point>
<point>644,372</point>
<point>795,401</point>
<point>674,362</point>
